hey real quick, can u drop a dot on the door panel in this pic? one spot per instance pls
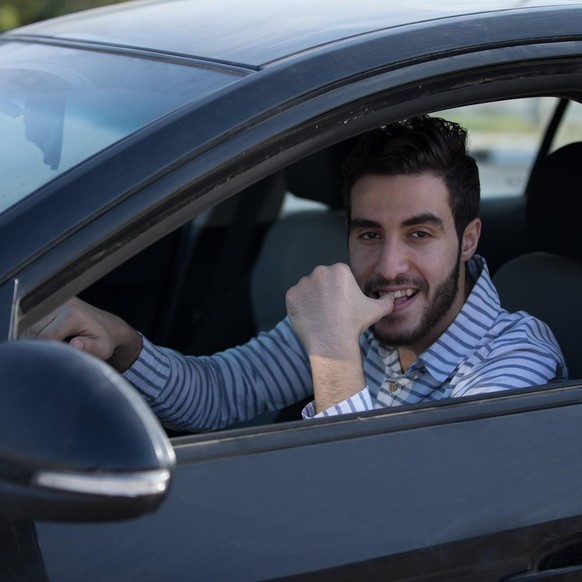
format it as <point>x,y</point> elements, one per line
<point>384,490</point>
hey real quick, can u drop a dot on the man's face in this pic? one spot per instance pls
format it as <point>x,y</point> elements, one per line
<point>402,240</point>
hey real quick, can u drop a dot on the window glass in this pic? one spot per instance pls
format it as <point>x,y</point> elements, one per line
<point>59,106</point>
<point>504,139</point>
<point>571,127</point>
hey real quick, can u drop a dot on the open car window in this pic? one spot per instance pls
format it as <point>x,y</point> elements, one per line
<point>221,279</point>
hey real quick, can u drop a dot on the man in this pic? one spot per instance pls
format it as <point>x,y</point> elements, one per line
<point>415,318</point>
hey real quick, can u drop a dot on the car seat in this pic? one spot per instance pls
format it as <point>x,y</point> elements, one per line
<point>302,240</point>
<point>547,280</point>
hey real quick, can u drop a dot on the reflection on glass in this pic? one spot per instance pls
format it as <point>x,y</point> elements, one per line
<point>43,125</point>
<point>60,106</point>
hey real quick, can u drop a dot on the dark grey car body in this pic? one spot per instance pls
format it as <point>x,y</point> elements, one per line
<point>476,489</point>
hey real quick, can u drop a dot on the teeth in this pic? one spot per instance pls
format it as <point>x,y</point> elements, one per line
<point>403,293</point>
<point>397,294</point>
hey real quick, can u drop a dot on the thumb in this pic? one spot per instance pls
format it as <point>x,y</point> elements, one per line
<point>385,304</point>
<point>77,343</point>
<point>379,308</point>
<point>93,346</point>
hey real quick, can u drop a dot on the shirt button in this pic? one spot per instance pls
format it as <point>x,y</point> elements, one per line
<point>392,387</point>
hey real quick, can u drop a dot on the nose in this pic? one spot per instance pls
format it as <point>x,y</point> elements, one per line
<point>392,260</point>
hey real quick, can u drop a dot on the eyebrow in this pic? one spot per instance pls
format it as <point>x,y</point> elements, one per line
<point>363,223</point>
<point>424,218</point>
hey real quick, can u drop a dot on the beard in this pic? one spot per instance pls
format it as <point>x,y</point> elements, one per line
<point>435,310</point>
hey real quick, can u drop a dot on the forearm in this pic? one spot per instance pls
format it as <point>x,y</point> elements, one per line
<point>335,379</point>
<point>211,392</point>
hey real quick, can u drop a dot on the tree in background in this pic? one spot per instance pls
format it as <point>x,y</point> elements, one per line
<point>15,13</point>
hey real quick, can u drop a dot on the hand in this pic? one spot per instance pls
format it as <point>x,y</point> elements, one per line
<point>92,330</point>
<point>329,313</point>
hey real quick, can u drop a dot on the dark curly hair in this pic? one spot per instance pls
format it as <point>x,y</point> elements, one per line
<point>414,146</point>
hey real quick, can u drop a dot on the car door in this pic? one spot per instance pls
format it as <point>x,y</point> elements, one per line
<point>474,489</point>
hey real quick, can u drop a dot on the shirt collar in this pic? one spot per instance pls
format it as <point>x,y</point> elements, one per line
<point>458,341</point>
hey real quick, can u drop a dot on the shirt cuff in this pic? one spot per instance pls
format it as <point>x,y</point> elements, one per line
<point>359,402</point>
<point>150,372</point>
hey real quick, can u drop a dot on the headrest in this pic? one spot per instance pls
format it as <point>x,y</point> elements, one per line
<point>318,176</point>
<point>554,203</point>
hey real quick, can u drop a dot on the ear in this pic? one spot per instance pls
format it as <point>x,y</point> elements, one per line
<point>470,239</point>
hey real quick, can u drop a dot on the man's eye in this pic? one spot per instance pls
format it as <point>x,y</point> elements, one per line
<point>369,235</point>
<point>420,234</point>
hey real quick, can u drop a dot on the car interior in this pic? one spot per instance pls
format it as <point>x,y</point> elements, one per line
<point>220,279</point>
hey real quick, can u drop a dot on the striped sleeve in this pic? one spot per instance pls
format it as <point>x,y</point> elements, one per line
<point>525,356</point>
<point>211,392</point>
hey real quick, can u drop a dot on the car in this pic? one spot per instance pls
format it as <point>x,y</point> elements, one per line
<point>177,163</point>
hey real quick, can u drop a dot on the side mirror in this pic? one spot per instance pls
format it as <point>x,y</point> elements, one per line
<point>77,443</point>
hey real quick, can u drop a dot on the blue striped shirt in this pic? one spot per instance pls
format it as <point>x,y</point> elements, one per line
<point>485,349</point>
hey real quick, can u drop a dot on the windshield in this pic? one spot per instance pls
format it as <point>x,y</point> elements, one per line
<point>59,106</point>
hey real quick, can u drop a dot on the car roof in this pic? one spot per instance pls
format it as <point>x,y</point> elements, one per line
<point>255,33</point>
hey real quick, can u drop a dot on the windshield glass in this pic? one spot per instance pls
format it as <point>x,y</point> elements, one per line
<point>59,106</point>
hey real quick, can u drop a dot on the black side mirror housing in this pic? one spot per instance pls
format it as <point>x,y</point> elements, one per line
<point>77,442</point>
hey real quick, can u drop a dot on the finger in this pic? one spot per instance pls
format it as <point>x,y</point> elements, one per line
<point>36,329</point>
<point>92,345</point>
<point>58,328</point>
<point>383,305</point>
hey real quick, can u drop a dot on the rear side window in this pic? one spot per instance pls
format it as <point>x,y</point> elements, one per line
<point>505,137</point>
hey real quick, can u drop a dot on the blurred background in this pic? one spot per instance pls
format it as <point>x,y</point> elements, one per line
<point>15,13</point>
